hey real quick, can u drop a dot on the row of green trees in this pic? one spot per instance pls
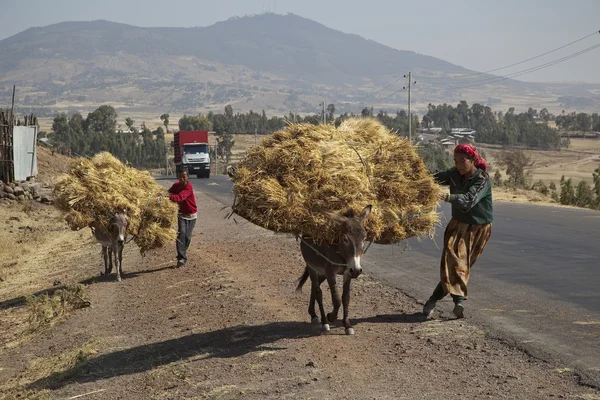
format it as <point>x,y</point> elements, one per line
<point>568,193</point>
<point>583,194</point>
<point>517,163</point>
<point>98,132</point>
<point>525,129</point>
<point>578,122</point>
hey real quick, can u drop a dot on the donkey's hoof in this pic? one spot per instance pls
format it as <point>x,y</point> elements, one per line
<point>118,279</point>
<point>315,320</point>
<point>349,331</point>
<point>325,327</point>
<point>331,317</point>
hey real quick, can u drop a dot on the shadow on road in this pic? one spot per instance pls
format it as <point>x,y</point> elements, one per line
<point>224,343</point>
<point>392,318</point>
<point>21,300</point>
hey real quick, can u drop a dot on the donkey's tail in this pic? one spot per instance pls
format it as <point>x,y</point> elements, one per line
<point>302,279</point>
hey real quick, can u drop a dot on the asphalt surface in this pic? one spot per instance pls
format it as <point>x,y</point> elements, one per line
<point>536,285</point>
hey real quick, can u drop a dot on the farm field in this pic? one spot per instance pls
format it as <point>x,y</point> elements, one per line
<point>577,162</point>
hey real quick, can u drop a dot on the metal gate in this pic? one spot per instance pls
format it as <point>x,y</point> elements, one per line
<point>18,158</point>
<point>24,152</point>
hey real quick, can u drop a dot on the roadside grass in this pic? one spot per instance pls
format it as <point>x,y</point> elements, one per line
<point>40,258</point>
<point>45,310</point>
<point>46,372</point>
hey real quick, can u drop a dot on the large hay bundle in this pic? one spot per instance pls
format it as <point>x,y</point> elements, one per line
<point>94,189</point>
<point>288,181</point>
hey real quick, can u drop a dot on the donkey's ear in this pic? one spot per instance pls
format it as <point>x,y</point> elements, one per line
<point>365,212</point>
<point>340,219</point>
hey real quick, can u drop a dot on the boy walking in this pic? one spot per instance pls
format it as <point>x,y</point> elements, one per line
<point>182,193</point>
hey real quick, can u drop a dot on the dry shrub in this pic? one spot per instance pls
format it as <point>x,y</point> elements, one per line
<point>95,189</point>
<point>44,309</point>
<point>287,182</point>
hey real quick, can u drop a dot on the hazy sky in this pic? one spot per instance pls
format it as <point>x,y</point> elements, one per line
<point>477,34</point>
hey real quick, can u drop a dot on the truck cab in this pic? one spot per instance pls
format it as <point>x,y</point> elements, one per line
<point>191,153</point>
<point>196,159</point>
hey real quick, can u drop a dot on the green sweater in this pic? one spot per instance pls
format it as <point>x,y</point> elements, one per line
<point>471,198</point>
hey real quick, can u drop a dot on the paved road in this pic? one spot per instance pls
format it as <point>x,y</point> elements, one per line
<point>536,285</point>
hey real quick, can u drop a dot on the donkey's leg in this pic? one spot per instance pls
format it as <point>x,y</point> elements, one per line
<point>105,256</point>
<point>117,262</point>
<point>120,269</point>
<point>311,304</point>
<point>335,297</point>
<point>110,260</point>
<point>346,302</point>
<point>318,295</point>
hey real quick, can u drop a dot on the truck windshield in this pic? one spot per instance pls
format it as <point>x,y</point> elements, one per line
<point>195,148</point>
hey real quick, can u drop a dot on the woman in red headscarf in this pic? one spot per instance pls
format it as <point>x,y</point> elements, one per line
<point>469,229</point>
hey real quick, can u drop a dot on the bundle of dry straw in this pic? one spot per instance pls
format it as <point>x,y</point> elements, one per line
<point>288,181</point>
<point>96,188</point>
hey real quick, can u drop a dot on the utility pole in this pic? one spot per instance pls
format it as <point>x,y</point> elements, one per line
<point>410,82</point>
<point>409,116</point>
<point>323,104</point>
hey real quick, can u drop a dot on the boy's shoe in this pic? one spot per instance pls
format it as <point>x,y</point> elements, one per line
<point>459,310</point>
<point>428,308</point>
<point>180,264</point>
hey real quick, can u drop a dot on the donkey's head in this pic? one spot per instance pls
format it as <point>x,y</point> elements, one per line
<point>352,238</point>
<point>119,222</point>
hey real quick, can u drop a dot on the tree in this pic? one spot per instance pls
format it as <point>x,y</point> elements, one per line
<point>228,111</point>
<point>62,133</point>
<point>435,157</point>
<point>584,195</point>
<point>545,115</point>
<point>330,111</point>
<point>583,122</point>
<point>516,163</point>
<point>165,119</point>
<point>194,123</point>
<point>102,120</point>
<point>596,179</point>
<point>567,192</point>
<point>497,178</point>
<point>129,122</point>
<point>366,112</point>
<point>541,187</point>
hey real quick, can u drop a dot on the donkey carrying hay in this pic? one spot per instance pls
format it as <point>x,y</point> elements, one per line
<point>96,190</point>
<point>296,181</point>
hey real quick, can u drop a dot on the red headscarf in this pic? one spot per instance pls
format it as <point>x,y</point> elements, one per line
<point>471,152</point>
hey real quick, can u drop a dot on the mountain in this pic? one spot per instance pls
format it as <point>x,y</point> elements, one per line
<point>279,63</point>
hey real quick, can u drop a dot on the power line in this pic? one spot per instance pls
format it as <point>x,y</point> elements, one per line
<point>380,90</point>
<point>517,63</point>
<point>523,72</point>
<point>518,73</point>
<point>494,79</point>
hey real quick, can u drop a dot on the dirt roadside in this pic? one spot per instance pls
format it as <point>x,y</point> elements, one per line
<point>230,326</point>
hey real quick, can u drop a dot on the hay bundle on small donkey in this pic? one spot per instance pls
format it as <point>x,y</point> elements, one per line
<point>94,189</point>
<point>286,183</point>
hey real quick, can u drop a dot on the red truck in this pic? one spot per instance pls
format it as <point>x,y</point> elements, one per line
<point>191,153</point>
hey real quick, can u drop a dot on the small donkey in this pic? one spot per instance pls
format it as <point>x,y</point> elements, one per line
<point>328,260</point>
<point>112,239</point>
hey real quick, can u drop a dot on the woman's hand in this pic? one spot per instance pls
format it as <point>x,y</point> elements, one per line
<point>443,196</point>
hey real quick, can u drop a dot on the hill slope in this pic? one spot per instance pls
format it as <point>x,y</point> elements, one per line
<point>273,62</point>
